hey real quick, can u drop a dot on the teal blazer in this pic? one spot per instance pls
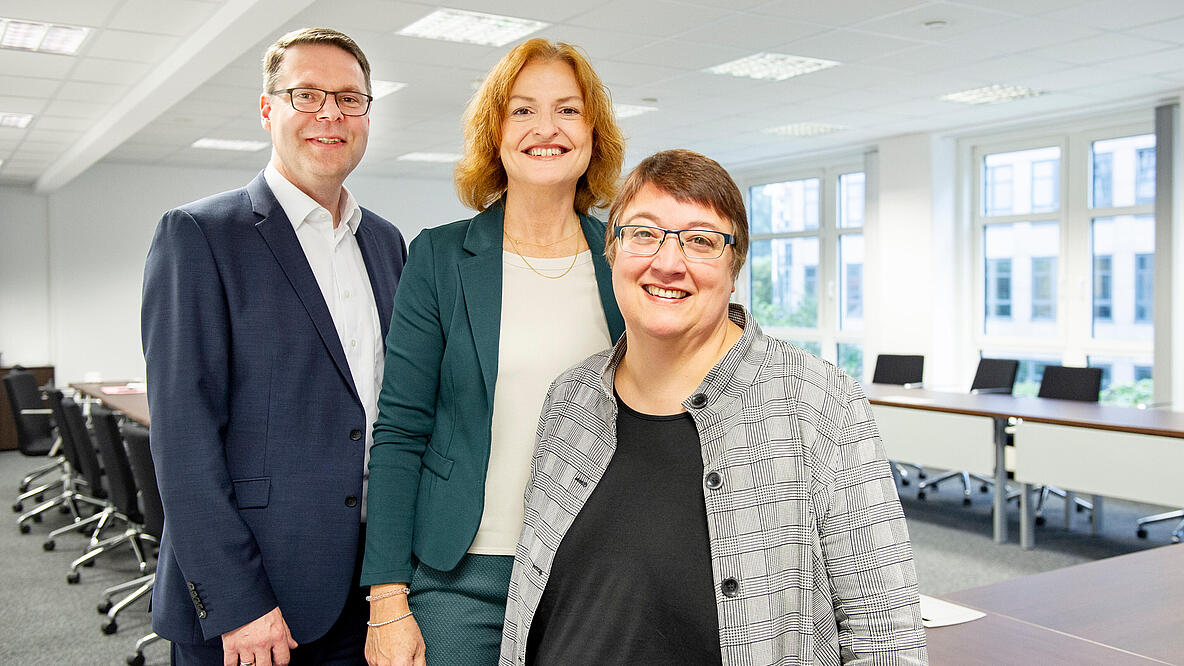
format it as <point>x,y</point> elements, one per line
<point>431,441</point>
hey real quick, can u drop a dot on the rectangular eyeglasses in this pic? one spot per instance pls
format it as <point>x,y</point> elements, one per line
<point>697,244</point>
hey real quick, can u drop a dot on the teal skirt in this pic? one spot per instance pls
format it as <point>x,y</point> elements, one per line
<point>460,612</point>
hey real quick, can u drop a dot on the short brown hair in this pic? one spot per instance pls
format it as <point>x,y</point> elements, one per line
<point>686,176</point>
<point>274,57</point>
<point>480,177</point>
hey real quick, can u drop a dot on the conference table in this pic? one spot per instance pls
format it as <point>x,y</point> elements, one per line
<point>126,397</point>
<point>1120,610</point>
<point>1103,450</point>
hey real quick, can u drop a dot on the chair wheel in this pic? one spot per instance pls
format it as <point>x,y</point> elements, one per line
<point>983,488</point>
<point>1039,520</point>
<point>88,563</point>
<point>39,498</point>
<point>922,475</point>
<point>18,507</point>
<point>920,494</point>
<point>1080,508</point>
<point>48,545</point>
<point>37,518</point>
<point>73,577</point>
<point>135,660</point>
<point>1141,533</point>
<point>63,509</point>
<point>965,501</point>
<point>109,627</point>
<point>104,607</point>
<point>904,481</point>
<point>25,528</point>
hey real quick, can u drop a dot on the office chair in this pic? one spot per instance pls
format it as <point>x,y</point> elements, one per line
<point>1067,383</point>
<point>75,491</point>
<point>994,375</point>
<point>1177,534</point>
<point>905,370</point>
<point>35,434</point>
<point>135,437</point>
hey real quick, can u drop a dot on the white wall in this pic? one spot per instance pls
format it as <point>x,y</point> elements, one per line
<point>94,234</point>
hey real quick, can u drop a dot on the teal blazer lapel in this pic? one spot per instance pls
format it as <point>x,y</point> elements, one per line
<point>277,231</point>
<point>604,277</point>
<point>481,282</point>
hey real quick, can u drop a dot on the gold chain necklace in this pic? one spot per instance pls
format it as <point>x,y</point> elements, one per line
<point>535,270</point>
<point>566,238</point>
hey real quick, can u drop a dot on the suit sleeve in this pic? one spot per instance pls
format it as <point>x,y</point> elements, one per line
<point>866,547</point>
<point>186,334</point>
<point>406,418</point>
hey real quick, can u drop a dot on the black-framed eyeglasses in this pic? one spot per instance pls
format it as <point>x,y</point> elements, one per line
<point>697,244</point>
<point>312,100</point>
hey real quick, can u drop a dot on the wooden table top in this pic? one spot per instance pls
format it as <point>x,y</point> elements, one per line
<point>1132,602</point>
<point>1161,422</point>
<point>133,405</point>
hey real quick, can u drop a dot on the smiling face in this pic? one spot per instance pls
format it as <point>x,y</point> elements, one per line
<point>316,151</point>
<point>546,139</point>
<point>666,296</point>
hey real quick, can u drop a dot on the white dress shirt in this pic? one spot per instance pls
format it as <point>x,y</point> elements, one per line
<point>336,262</point>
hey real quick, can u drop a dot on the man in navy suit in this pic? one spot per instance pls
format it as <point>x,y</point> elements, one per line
<point>265,312</point>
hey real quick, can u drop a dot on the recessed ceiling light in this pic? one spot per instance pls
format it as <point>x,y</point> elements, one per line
<point>19,120</point>
<point>991,95</point>
<point>804,129</point>
<point>230,144</point>
<point>458,25</point>
<point>379,88</point>
<point>429,157</point>
<point>41,37</point>
<point>630,110</point>
<point>772,66</point>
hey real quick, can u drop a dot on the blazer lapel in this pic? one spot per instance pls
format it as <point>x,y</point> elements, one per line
<point>481,282</point>
<point>384,292</point>
<point>279,235</point>
<point>604,278</point>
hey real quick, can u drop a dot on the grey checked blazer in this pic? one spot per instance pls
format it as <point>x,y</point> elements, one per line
<point>810,555</point>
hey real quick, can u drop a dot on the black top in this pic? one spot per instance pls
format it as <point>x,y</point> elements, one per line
<point>631,582</point>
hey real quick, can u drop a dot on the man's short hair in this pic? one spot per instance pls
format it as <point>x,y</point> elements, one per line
<point>480,178</point>
<point>688,177</point>
<point>274,57</point>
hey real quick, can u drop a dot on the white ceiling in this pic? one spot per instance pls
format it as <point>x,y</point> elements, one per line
<point>155,75</point>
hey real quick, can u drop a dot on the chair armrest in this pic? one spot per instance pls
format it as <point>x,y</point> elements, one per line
<point>912,385</point>
<point>990,390</point>
<point>37,411</point>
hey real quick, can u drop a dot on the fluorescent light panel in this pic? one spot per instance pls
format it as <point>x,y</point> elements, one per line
<point>19,120</point>
<point>772,66</point>
<point>230,144</point>
<point>429,157</point>
<point>458,25</point>
<point>41,37</point>
<point>995,94</point>
<point>805,129</point>
<point>379,88</point>
<point>630,110</point>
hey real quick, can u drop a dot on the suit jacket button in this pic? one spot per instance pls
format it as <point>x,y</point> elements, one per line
<point>730,587</point>
<point>699,400</point>
<point>192,587</point>
<point>202,615</point>
<point>351,501</point>
<point>355,434</point>
<point>713,481</point>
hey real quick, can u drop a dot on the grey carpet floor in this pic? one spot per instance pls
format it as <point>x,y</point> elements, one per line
<point>43,620</point>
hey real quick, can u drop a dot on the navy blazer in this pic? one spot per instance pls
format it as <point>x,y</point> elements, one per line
<point>432,438</point>
<point>257,428</point>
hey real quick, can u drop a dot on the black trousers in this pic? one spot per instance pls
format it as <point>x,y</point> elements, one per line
<point>343,645</point>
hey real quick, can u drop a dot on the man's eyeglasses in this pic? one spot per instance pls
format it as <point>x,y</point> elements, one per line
<point>312,100</point>
<point>696,244</point>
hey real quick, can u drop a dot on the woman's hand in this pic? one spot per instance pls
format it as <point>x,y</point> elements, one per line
<point>398,643</point>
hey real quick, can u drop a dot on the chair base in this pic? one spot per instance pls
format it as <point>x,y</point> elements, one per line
<point>1177,534</point>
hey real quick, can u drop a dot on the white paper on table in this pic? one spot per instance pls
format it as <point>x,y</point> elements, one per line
<point>938,613</point>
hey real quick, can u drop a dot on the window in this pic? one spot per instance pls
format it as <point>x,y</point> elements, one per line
<point>1144,286</point>
<point>1103,274</point>
<point>1045,186</point>
<point>850,358</point>
<point>1044,288</point>
<point>1065,251</point>
<point>805,260</point>
<point>999,288</point>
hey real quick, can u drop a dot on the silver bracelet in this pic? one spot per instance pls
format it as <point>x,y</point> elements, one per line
<point>383,624</point>
<point>391,593</point>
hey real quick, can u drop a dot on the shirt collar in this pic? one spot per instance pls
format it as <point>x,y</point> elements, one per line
<point>298,206</point>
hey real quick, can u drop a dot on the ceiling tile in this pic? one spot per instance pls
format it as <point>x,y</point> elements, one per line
<point>174,17</point>
<point>10,104</point>
<point>132,46</point>
<point>684,55</point>
<point>27,86</point>
<point>91,13</point>
<point>751,32</point>
<point>1120,14</point>
<point>1098,49</point>
<point>101,70</point>
<point>657,18</point>
<point>38,65</point>
<point>958,19</point>
<point>597,44</point>
<point>379,16</point>
<point>61,123</point>
<point>1020,7</point>
<point>845,46</point>
<point>1164,31</point>
<point>844,13</point>
<point>94,93</point>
